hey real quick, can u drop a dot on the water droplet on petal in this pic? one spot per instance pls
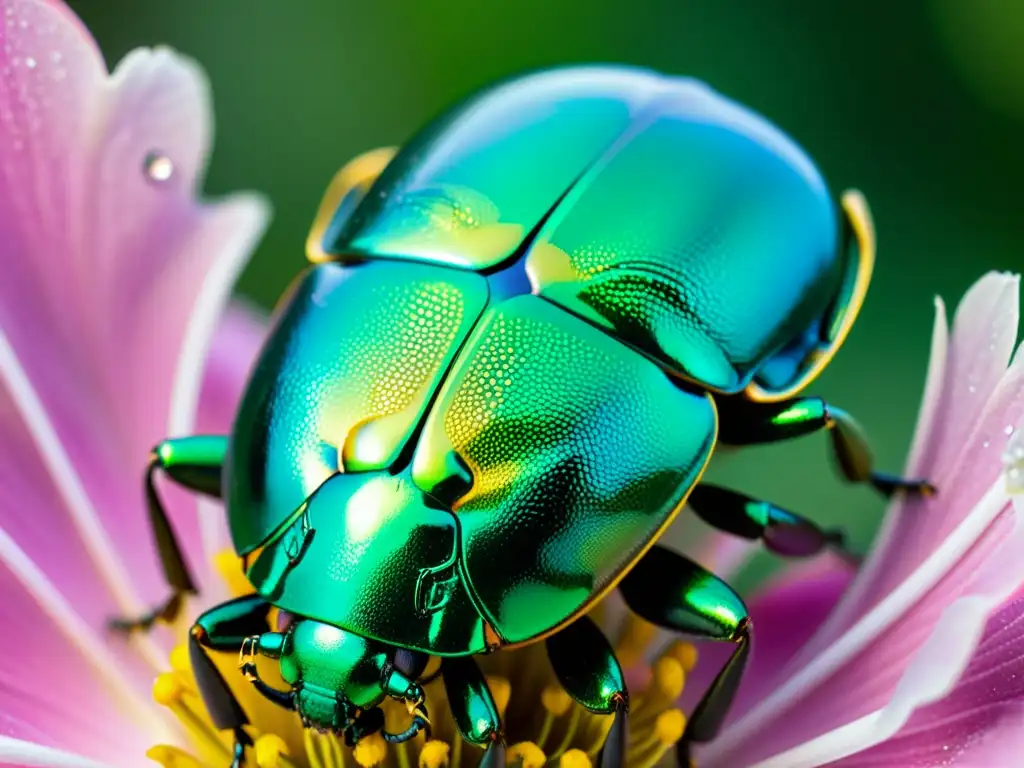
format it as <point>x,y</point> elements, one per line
<point>1013,462</point>
<point>1008,429</point>
<point>158,167</point>
<point>972,389</point>
<point>30,62</point>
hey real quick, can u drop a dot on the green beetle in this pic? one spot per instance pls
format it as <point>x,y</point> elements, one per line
<point>519,343</point>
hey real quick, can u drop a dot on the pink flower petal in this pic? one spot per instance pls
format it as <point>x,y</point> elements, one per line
<point>61,686</point>
<point>970,401</point>
<point>873,686</point>
<point>785,614</point>
<point>35,516</point>
<point>113,279</point>
<point>232,354</point>
<point>862,666</point>
<point>240,333</point>
<point>981,722</point>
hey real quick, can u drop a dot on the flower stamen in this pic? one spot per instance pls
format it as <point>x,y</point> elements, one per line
<point>574,758</point>
<point>272,752</point>
<point>558,734</point>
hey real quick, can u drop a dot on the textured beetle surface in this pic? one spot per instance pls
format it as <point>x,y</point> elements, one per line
<point>661,231</point>
<point>500,380</point>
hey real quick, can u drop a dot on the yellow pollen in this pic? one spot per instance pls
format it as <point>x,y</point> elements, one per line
<point>527,754</point>
<point>167,689</point>
<point>669,677</point>
<point>269,751</point>
<point>172,757</point>
<point>574,758</point>
<point>501,690</point>
<point>669,726</point>
<point>683,652</point>
<point>555,700</point>
<point>179,659</point>
<point>634,640</point>
<point>371,750</point>
<point>559,733</point>
<point>434,754</point>
<point>229,567</point>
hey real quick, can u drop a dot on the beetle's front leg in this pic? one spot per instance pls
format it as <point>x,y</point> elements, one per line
<point>226,627</point>
<point>671,591</point>
<point>742,422</point>
<point>194,463</point>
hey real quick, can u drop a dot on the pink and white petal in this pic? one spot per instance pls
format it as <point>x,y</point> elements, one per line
<point>865,659</point>
<point>108,265</point>
<point>24,753</point>
<point>981,722</point>
<point>970,399</point>
<point>785,614</point>
<point>239,335</point>
<point>61,684</point>
<point>235,345</point>
<point>223,238</point>
<point>879,557</point>
<point>36,518</point>
<point>903,654</point>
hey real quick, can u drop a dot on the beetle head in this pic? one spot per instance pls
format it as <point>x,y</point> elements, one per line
<point>339,679</point>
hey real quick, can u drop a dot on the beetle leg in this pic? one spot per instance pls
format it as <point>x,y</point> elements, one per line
<point>473,708</point>
<point>585,665</point>
<point>194,463</point>
<point>672,591</point>
<point>226,627</point>
<point>782,532</point>
<point>742,422</point>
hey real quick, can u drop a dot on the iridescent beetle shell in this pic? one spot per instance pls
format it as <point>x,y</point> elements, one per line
<point>495,388</point>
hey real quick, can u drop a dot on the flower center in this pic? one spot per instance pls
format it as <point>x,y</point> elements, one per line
<point>558,732</point>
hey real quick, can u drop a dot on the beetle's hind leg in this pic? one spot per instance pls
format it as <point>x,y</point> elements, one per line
<point>742,422</point>
<point>586,666</point>
<point>225,628</point>
<point>473,708</point>
<point>194,463</point>
<point>672,591</point>
<point>784,533</point>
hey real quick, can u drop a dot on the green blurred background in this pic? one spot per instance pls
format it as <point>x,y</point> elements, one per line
<point>918,104</point>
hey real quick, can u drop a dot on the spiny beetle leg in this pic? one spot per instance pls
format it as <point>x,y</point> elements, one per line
<point>194,463</point>
<point>225,628</point>
<point>782,532</point>
<point>473,708</point>
<point>672,591</point>
<point>585,665</point>
<point>750,423</point>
